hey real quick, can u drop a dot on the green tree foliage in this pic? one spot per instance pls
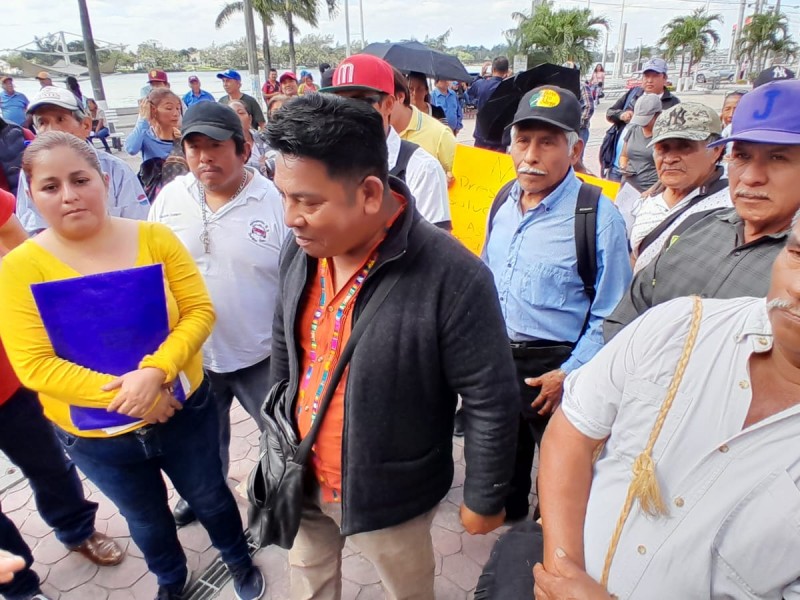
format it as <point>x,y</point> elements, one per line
<point>766,35</point>
<point>560,36</point>
<point>691,35</point>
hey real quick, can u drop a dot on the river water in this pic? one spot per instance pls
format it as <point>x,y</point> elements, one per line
<point>122,89</point>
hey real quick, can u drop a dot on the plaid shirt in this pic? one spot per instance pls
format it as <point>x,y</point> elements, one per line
<point>587,106</point>
<point>709,259</point>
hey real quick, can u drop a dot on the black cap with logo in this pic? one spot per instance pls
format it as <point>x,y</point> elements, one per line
<point>552,105</point>
<point>217,121</point>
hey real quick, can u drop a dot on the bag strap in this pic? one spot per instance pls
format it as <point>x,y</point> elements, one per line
<point>385,286</point>
<point>715,183</point>
<point>501,197</point>
<point>586,242</point>
<point>407,150</point>
<point>644,485</point>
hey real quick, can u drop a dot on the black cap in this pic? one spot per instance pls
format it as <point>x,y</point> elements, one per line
<point>773,74</point>
<point>217,121</point>
<point>552,105</point>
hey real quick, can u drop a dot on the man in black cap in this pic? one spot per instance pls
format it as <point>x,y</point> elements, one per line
<point>559,255</point>
<point>230,218</point>
<point>776,73</point>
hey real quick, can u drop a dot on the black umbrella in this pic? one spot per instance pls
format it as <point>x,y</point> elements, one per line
<point>498,112</point>
<point>414,56</point>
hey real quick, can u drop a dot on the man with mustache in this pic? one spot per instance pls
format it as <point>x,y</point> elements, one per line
<point>230,218</point>
<point>690,179</point>
<point>727,254</point>
<point>725,499</point>
<point>536,246</point>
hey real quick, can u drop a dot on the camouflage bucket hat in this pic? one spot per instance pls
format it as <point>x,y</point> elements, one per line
<point>688,121</point>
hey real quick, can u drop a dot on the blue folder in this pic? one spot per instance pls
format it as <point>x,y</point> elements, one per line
<point>106,322</point>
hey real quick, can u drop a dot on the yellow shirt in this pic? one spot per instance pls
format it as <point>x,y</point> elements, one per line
<point>61,383</point>
<point>432,136</point>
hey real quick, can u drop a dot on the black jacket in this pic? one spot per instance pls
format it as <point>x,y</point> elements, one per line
<point>627,100</point>
<point>439,334</point>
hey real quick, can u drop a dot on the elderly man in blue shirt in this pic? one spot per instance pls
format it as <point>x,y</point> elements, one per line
<point>553,315</point>
<point>56,109</point>
<point>445,98</point>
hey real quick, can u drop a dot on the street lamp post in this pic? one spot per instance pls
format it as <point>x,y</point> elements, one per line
<point>91,55</point>
<point>621,46</point>
<point>639,58</point>
<point>347,26</point>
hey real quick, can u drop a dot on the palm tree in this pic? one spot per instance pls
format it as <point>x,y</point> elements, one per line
<point>286,11</point>
<point>692,34</point>
<point>765,34</point>
<point>563,36</point>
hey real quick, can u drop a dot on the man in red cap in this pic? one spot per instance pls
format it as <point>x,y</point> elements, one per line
<point>370,79</point>
<point>155,79</point>
<point>288,83</point>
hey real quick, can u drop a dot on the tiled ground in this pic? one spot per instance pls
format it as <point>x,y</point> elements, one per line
<point>67,576</point>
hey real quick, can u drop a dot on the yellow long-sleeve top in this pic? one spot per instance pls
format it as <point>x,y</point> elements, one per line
<point>61,383</point>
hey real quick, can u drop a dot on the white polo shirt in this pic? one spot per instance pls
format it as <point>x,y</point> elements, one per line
<point>241,269</point>
<point>425,179</point>
<point>733,528</point>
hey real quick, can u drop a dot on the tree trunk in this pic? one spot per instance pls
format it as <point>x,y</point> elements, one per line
<point>683,59</point>
<point>290,25</point>
<point>266,50</point>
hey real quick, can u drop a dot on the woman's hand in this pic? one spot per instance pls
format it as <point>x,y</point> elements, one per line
<point>137,391</point>
<point>146,110</point>
<point>163,409</point>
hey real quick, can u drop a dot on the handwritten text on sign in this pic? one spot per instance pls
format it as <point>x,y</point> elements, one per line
<point>479,175</point>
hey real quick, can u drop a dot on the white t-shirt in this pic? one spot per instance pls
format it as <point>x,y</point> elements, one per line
<point>425,179</point>
<point>655,210</point>
<point>241,269</point>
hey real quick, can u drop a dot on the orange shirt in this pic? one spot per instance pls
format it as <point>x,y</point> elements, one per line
<point>326,457</point>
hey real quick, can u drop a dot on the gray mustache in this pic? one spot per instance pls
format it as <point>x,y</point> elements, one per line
<point>751,195</point>
<point>782,304</point>
<point>531,172</point>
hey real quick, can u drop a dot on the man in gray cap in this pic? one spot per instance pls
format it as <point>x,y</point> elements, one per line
<point>690,178</point>
<point>554,291</point>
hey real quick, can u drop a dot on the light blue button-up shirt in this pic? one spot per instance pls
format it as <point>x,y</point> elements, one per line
<point>535,265</point>
<point>126,198</point>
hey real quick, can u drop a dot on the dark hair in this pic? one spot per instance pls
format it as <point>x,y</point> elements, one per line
<point>323,67</point>
<point>273,70</point>
<point>599,67</point>
<point>419,77</point>
<point>401,86</point>
<point>344,134</point>
<point>500,64</point>
<point>74,87</point>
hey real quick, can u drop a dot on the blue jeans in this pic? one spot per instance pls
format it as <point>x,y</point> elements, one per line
<point>27,438</point>
<point>127,469</point>
<point>250,386</point>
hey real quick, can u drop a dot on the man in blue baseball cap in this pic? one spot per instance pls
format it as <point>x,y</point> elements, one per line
<point>232,82</point>
<point>619,114</point>
<point>729,253</point>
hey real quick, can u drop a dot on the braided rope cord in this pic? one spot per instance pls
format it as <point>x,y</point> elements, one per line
<point>644,486</point>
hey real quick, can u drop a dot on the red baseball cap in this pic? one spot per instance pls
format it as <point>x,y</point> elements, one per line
<point>287,75</point>
<point>156,75</point>
<point>363,72</point>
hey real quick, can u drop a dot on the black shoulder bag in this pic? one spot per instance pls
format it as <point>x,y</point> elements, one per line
<point>275,486</point>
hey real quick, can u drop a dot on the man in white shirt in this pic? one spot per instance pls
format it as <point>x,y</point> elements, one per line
<point>231,220</point>
<point>371,79</point>
<point>725,461</point>
<point>56,109</point>
<point>690,178</point>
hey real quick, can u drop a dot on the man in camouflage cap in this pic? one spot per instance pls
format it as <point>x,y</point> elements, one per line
<point>690,179</point>
<point>729,252</point>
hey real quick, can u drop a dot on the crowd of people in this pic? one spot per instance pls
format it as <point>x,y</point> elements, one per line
<point>649,352</point>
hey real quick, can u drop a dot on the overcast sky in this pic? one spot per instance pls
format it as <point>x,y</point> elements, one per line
<point>185,23</point>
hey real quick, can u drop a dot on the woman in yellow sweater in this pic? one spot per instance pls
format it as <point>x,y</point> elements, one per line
<point>125,462</point>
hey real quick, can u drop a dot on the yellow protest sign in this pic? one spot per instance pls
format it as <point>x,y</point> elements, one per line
<point>479,175</point>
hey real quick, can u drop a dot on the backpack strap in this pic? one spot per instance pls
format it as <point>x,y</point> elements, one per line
<point>498,201</point>
<point>407,149</point>
<point>586,242</point>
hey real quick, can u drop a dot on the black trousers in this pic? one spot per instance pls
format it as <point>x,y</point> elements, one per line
<point>508,574</point>
<point>531,361</point>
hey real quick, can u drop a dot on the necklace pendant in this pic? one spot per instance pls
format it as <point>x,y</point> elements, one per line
<point>206,240</point>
